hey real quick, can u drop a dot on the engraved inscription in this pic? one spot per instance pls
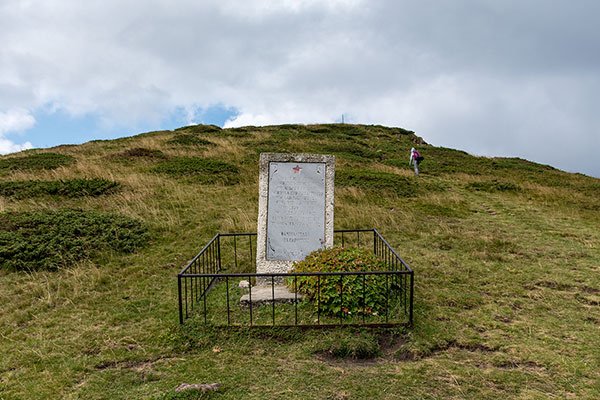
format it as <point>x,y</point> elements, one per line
<point>296,210</point>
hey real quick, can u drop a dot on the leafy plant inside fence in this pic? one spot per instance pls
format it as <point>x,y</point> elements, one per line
<point>348,294</point>
<point>37,161</point>
<point>77,187</point>
<point>54,239</point>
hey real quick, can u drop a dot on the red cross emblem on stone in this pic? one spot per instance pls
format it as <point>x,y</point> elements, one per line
<point>296,169</point>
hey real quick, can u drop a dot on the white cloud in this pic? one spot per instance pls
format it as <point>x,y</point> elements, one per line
<point>6,146</point>
<point>500,78</point>
<point>14,121</point>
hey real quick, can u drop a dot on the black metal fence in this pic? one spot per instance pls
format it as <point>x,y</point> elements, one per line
<point>211,287</point>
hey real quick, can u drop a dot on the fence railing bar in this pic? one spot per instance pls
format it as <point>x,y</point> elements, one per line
<point>250,297</point>
<point>250,240</point>
<point>392,250</point>
<point>186,298</point>
<point>192,293</point>
<point>410,311</point>
<point>341,300</point>
<point>273,297</point>
<point>235,251</point>
<point>387,299</point>
<point>296,300</point>
<point>204,296</point>
<point>290,274</point>
<point>353,230</point>
<point>198,255</point>
<point>318,299</point>
<point>180,305</point>
<point>364,298</point>
<point>228,310</point>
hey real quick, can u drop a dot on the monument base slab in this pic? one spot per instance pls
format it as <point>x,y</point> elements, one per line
<point>268,294</point>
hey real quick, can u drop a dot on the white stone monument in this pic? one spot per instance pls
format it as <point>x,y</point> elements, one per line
<point>295,208</point>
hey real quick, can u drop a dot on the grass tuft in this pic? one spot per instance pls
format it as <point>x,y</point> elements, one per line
<point>54,239</point>
<point>141,152</point>
<point>77,187</point>
<point>186,139</point>
<point>494,186</point>
<point>38,161</point>
<point>202,170</point>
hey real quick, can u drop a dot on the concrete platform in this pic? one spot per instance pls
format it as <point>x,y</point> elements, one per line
<point>268,294</point>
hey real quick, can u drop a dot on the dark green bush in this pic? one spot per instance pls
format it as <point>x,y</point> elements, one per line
<point>200,129</point>
<point>77,187</point>
<point>213,130</point>
<point>37,161</point>
<point>189,140</point>
<point>325,293</point>
<point>142,152</point>
<point>53,239</point>
<point>493,186</point>
<point>200,169</point>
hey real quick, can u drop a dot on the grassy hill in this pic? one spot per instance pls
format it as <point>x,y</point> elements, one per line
<point>506,255</point>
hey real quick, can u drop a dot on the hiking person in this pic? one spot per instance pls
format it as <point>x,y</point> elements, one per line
<point>415,158</point>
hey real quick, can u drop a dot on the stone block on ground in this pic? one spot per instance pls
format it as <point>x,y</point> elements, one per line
<point>268,294</point>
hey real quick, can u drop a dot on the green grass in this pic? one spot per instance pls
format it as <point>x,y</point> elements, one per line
<point>507,282</point>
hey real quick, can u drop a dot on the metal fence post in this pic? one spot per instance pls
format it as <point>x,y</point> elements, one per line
<point>219,250</point>
<point>412,284</point>
<point>180,303</point>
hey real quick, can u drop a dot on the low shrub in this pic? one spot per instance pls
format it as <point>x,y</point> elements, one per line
<point>200,129</point>
<point>53,239</point>
<point>200,169</point>
<point>77,187</point>
<point>141,152</point>
<point>189,140</point>
<point>36,161</point>
<point>332,295</point>
<point>213,130</point>
<point>494,186</point>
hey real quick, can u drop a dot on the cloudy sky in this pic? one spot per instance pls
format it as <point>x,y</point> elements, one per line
<point>518,78</point>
